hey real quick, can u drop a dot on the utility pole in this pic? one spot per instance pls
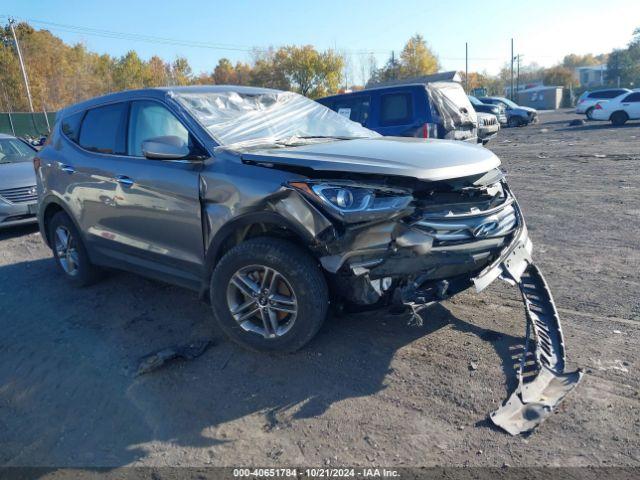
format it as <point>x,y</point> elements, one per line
<point>518,74</point>
<point>466,66</point>
<point>511,90</point>
<point>6,100</point>
<point>46,118</point>
<point>24,72</point>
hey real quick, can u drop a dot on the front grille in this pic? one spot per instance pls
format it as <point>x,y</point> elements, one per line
<point>20,195</point>
<point>465,217</point>
<point>447,231</point>
<point>486,121</point>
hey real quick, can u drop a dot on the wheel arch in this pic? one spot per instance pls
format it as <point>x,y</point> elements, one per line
<point>247,226</point>
<point>623,112</point>
<point>50,207</point>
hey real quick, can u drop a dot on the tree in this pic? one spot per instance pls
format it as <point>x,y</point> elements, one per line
<point>623,65</point>
<point>129,72</point>
<point>559,76</point>
<point>156,72</point>
<point>181,71</point>
<point>268,69</point>
<point>311,73</point>
<point>243,73</point>
<point>224,73</point>
<point>417,59</point>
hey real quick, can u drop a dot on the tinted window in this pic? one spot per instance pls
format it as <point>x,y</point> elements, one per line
<point>634,97</point>
<point>355,108</point>
<point>149,120</point>
<point>395,108</point>
<point>606,94</point>
<point>71,126</point>
<point>103,128</point>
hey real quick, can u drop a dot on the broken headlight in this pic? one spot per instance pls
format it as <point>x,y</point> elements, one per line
<point>357,203</point>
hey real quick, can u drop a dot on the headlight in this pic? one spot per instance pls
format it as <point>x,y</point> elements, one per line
<point>357,203</point>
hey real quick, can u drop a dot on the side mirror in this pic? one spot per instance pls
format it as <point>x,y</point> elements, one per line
<point>169,147</point>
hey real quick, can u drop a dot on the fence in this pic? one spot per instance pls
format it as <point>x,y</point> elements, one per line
<point>26,124</point>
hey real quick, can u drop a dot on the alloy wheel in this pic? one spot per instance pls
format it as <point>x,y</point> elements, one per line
<point>67,251</point>
<point>261,300</point>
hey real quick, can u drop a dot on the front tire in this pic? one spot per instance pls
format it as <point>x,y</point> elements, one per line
<point>70,253</point>
<point>619,118</point>
<point>514,122</point>
<point>269,295</point>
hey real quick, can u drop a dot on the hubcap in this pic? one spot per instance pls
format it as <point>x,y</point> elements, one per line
<point>262,301</point>
<point>66,251</point>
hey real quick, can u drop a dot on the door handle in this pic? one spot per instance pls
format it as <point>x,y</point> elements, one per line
<point>124,180</point>
<point>66,168</point>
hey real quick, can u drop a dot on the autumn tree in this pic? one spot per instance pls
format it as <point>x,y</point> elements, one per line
<point>224,73</point>
<point>559,76</point>
<point>417,59</point>
<point>181,72</point>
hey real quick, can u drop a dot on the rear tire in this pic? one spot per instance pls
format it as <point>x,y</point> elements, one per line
<point>619,118</point>
<point>245,315</point>
<point>70,253</point>
<point>589,113</point>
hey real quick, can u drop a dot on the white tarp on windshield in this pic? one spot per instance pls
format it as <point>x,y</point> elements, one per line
<point>239,117</point>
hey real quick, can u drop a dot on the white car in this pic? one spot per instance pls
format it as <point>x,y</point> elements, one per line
<point>588,100</point>
<point>620,109</point>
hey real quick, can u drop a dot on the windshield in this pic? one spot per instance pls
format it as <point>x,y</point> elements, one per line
<point>508,102</point>
<point>474,100</point>
<point>273,117</point>
<point>13,150</point>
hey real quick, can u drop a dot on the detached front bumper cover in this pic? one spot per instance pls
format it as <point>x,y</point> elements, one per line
<point>542,381</point>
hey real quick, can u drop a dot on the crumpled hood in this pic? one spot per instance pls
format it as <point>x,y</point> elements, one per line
<point>16,175</point>
<point>429,160</point>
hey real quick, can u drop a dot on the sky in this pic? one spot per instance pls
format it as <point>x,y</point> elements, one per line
<point>543,30</point>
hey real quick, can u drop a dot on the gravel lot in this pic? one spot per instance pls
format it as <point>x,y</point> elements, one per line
<point>370,389</point>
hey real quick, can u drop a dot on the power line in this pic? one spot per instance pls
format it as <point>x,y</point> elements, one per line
<point>193,43</point>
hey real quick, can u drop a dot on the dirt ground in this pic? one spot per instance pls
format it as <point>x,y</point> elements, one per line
<point>370,389</point>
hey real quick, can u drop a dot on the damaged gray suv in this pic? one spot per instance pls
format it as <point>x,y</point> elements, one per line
<point>273,206</point>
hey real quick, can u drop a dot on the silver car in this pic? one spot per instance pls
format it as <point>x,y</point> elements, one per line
<point>275,207</point>
<point>18,194</point>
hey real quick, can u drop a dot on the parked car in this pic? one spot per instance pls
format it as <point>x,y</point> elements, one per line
<point>517,115</point>
<point>271,206</point>
<point>619,110</point>
<point>18,196</point>
<point>588,100</point>
<point>497,110</point>
<point>488,127</point>
<point>432,110</point>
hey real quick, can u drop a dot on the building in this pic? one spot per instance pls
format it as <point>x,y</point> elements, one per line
<point>592,76</point>
<point>540,97</point>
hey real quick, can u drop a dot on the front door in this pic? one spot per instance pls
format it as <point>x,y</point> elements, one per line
<point>149,214</point>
